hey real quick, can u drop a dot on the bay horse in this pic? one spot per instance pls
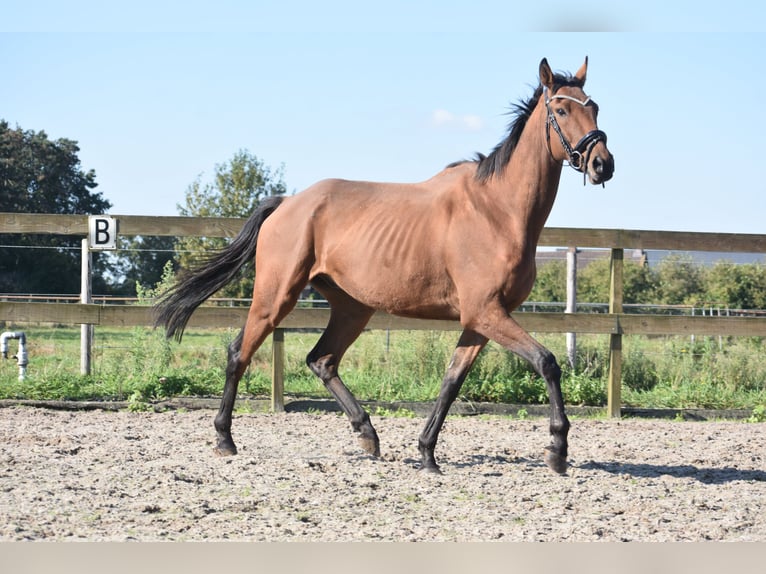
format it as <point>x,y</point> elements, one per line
<point>459,246</point>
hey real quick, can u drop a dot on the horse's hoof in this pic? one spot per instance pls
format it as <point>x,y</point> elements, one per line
<point>431,469</point>
<point>370,445</point>
<point>224,449</point>
<point>555,461</point>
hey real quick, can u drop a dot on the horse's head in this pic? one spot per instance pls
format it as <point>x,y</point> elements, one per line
<point>571,115</point>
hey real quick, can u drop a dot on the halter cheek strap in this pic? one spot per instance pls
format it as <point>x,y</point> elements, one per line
<point>578,155</point>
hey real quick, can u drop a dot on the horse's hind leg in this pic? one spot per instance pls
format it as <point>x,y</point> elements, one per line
<point>261,322</point>
<point>222,421</point>
<point>347,320</point>
<point>468,348</point>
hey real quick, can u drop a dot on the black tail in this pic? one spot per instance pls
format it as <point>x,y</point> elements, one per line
<point>177,304</point>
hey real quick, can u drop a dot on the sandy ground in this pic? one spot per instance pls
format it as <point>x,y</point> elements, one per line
<point>98,475</point>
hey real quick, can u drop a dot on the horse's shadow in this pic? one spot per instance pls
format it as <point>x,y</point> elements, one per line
<point>701,474</point>
<point>637,470</point>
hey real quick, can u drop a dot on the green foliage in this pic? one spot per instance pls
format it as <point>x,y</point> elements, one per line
<point>679,281</point>
<point>137,403</point>
<point>140,366</point>
<point>500,376</point>
<point>39,175</point>
<point>705,373</point>
<point>676,280</point>
<point>148,295</point>
<point>759,414</point>
<point>639,372</point>
<point>593,282</point>
<point>551,283</point>
<point>639,284</point>
<point>143,260</point>
<point>237,188</point>
<point>394,413</point>
<point>136,364</point>
<point>406,366</point>
<point>737,286</point>
<point>581,389</point>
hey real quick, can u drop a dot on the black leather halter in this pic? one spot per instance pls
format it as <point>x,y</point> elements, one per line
<point>578,155</point>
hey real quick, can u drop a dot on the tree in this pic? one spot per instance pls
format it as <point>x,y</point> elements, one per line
<point>237,188</point>
<point>551,283</point>
<point>638,283</point>
<point>142,261</point>
<point>38,175</point>
<point>679,281</point>
<point>593,282</point>
<point>737,286</point>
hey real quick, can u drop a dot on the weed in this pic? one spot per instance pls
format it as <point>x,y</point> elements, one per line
<point>394,413</point>
<point>138,363</point>
<point>759,414</point>
<point>137,404</point>
<point>581,389</point>
<point>244,408</point>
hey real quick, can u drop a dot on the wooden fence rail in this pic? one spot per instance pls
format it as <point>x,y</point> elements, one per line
<point>615,323</point>
<point>176,226</point>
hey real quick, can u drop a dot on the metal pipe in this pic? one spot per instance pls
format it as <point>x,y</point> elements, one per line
<point>21,355</point>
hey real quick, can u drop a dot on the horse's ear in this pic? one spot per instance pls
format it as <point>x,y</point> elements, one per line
<point>546,74</point>
<point>582,72</point>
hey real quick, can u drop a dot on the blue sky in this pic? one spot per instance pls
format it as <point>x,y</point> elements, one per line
<point>158,94</point>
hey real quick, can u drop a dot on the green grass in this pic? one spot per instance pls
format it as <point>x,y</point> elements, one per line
<point>139,365</point>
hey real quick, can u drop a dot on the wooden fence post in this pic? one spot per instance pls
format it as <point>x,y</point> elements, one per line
<point>614,400</point>
<point>571,306</point>
<point>86,294</point>
<point>278,371</point>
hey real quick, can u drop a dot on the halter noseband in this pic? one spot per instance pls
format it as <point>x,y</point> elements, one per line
<point>579,155</point>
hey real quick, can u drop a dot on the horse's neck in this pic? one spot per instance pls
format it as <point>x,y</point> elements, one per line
<point>527,188</point>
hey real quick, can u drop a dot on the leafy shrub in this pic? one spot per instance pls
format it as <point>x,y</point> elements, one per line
<point>583,390</point>
<point>639,372</point>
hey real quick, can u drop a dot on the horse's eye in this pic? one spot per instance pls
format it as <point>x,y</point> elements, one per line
<point>561,111</point>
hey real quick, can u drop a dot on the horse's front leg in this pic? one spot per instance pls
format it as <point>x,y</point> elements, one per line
<point>500,327</point>
<point>468,348</point>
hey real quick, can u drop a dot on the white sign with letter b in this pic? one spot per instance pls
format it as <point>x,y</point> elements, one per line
<point>102,232</point>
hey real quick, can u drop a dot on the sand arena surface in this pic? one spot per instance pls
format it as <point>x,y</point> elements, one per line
<point>98,475</point>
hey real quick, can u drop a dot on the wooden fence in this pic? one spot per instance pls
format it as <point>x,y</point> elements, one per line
<point>615,324</point>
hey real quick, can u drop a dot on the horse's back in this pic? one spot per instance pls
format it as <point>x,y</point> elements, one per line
<point>382,243</point>
<point>343,207</point>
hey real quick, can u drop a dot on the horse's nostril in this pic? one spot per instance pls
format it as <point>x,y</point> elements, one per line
<point>598,165</point>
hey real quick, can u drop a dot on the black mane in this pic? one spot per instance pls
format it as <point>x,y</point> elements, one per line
<point>495,162</point>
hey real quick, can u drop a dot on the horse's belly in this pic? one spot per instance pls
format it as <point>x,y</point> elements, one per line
<point>407,296</point>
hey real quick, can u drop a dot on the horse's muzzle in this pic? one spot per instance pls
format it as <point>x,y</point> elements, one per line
<point>601,166</point>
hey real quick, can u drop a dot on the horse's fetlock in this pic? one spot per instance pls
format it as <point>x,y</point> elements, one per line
<point>222,425</point>
<point>360,423</point>
<point>560,428</point>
